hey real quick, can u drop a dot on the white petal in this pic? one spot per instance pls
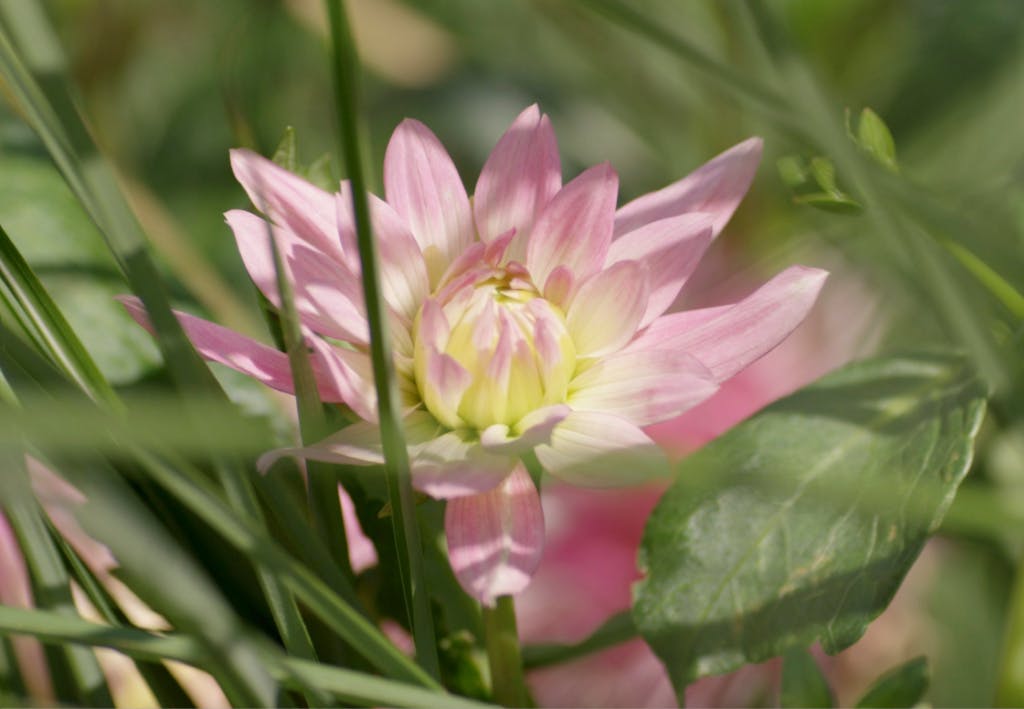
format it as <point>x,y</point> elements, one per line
<point>595,449</point>
<point>643,387</point>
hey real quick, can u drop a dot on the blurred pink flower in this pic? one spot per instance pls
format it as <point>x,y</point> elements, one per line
<point>528,319</point>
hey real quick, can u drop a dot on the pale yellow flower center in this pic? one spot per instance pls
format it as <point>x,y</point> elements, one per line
<point>513,343</point>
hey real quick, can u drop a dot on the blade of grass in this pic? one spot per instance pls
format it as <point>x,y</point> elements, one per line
<point>49,105</point>
<point>165,688</point>
<point>61,343</point>
<point>322,485</point>
<point>347,686</point>
<point>12,686</point>
<point>314,593</point>
<point>113,514</point>
<point>282,603</point>
<point>77,676</point>
<point>345,67</point>
<point>154,424</point>
<point>94,184</point>
<point>287,510</point>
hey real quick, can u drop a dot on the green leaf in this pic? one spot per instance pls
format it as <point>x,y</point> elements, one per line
<point>800,524</point>
<point>874,136</point>
<point>903,686</point>
<point>284,155</point>
<point>792,171</point>
<point>803,685</point>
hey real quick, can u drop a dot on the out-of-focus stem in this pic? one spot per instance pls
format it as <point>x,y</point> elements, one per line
<point>396,457</point>
<point>503,654</point>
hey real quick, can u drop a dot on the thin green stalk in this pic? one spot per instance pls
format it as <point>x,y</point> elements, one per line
<point>347,686</point>
<point>616,630</point>
<point>322,483</point>
<point>164,686</point>
<point>396,457</point>
<point>61,342</point>
<point>283,607</point>
<point>311,590</point>
<point>503,655</point>
<point>76,672</point>
<point>156,564</point>
<point>12,686</point>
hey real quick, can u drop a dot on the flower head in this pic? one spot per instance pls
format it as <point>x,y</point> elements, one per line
<point>530,319</point>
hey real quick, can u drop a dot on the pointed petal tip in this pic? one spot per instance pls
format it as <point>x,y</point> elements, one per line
<point>266,461</point>
<point>813,277</point>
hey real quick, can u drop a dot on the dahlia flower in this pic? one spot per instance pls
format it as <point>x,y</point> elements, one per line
<point>526,322</point>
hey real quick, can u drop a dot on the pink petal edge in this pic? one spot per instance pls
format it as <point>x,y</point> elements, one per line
<point>717,187</point>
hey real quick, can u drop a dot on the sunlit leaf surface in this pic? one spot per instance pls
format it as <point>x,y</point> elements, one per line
<point>800,524</point>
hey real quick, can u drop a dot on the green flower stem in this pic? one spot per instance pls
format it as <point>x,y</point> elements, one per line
<point>396,457</point>
<point>618,629</point>
<point>503,655</point>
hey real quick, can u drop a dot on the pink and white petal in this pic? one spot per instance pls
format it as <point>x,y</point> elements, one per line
<point>422,184</point>
<point>357,444</point>
<point>670,249</point>
<point>560,287</point>
<point>532,430</point>
<point>575,229</point>
<point>327,296</point>
<point>451,466</point>
<point>289,200</point>
<point>468,259</point>
<point>597,449</point>
<point>496,539</point>
<point>348,372</point>
<point>434,327</point>
<point>733,337</point>
<point>444,384</point>
<point>334,309</point>
<point>660,332</point>
<point>403,271</point>
<point>496,250</point>
<point>643,387</point>
<point>607,308</point>
<point>520,177</point>
<point>716,188</point>
<point>245,355</point>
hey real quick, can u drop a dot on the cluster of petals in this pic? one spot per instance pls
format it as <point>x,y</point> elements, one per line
<point>527,321</point>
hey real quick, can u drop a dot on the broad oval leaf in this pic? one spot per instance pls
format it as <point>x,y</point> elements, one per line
<point>799,525</point>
